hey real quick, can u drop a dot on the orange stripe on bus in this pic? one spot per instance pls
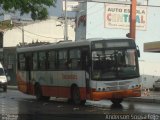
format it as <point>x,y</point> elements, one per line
<point>116,94</point>
<point>55,91</point>
<point>61,91</point>
<point>22,86</point>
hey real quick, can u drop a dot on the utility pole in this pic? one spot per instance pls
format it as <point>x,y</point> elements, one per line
<point>22,28</point>
<point>133,19</point>
<point>22,34</point>
<point>65,23</point>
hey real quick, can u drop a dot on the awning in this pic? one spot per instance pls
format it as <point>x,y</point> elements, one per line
<point>152,46</point>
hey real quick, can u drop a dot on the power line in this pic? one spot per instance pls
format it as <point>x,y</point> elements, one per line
<point>36,34</point>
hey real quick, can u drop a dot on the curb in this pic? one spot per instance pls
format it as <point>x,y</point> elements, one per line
<point>137,99</point>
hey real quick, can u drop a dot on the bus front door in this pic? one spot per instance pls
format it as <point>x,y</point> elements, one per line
<point>86,66</point>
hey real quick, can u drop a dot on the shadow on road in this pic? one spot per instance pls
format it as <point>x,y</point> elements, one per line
<point>116,107</point>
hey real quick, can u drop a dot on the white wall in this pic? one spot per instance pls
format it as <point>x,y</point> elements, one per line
<point>95,27</point>
<point>45,31</point>
<point>80,27</point>
<point>150,72</point>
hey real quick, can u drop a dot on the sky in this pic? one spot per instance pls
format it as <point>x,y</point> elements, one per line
<point>53,11</point>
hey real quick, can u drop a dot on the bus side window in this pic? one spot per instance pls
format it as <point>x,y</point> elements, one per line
<point>35,61</point>
<point>21,59</point>
<point>74,59</point>
<point>29,61</point>
<point>42,60</point>
<point>51,62</point>
<point>62,59</point>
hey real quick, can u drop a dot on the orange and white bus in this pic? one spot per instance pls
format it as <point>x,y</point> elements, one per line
<point>92,69</point>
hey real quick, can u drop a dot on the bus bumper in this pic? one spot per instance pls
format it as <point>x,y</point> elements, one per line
<point>99,95</point>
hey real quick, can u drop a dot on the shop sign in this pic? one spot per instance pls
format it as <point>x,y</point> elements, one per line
<point>118,16</point>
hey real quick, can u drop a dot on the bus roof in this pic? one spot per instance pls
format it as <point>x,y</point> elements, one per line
<point>52,46</point>
<point>64,44</point>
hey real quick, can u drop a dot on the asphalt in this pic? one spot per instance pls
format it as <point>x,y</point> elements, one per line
<point>146,96</point>
<point>149,96</point>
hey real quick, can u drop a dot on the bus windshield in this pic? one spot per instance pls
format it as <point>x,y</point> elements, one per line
<point>114,64</point>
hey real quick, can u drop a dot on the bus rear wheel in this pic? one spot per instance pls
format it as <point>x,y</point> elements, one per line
<point>117,101</point>
<point>39,95</point>
<point>75,96</point>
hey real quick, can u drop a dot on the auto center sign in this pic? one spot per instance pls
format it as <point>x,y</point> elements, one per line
<point>118,16</point>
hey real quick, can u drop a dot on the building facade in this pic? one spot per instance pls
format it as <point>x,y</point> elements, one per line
<point>108,20</point>
<point>50,30</point>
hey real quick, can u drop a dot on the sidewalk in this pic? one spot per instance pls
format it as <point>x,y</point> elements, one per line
<point>12,87</point>
<point>152,97</point>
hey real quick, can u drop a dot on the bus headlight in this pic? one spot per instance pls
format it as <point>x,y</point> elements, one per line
<point>103,89</point>
<point>99,89</point>
<point>135,86</point>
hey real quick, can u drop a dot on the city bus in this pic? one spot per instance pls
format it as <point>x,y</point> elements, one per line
<point>93,69</point>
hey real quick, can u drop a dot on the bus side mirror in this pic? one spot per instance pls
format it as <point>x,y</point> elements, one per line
<point>138,52</point>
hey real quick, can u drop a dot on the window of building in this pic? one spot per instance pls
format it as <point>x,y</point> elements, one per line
<point>1,39</point>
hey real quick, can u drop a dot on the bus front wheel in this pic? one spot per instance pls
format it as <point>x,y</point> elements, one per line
<point>116,101</point>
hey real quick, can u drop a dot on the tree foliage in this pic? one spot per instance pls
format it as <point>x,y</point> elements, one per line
<point>37,8</point>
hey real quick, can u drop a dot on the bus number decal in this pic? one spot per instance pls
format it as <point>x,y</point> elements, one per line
<point>69,77</point>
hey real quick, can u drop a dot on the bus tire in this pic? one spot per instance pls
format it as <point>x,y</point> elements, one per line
<point>38,92</point>
<point>75,95</point>
<point>117,101</point>
<point>83,102</point>
<point>39,95</point>
<point>46,98</point>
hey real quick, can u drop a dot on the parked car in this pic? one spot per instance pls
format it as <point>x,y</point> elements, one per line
<point>3,78</point>
<point>156,85</point>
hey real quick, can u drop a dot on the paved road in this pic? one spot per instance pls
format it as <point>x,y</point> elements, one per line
<point>16,105</point>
